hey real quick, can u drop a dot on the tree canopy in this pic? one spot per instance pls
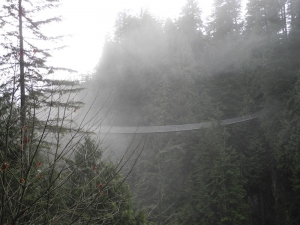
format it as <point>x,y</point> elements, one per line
<point>185,71</point>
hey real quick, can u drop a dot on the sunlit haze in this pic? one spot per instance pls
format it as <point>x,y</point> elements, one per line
<point>91,21</point>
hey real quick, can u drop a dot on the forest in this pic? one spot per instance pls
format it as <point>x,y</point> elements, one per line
<point>58,168</point>
<point>185,71</point>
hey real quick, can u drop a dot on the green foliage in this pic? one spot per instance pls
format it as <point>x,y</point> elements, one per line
<point>51,171</point>
<point>225,18</point>
<point>109,199</point>
<point>215,185</point>
<point>174,73</point>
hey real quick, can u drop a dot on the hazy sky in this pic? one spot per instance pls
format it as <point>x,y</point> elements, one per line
<point>91,20</point>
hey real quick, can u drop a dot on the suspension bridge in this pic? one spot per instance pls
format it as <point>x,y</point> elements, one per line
<point>174,128</point>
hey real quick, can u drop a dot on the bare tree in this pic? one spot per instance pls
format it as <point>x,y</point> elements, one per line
<point>51,170</point>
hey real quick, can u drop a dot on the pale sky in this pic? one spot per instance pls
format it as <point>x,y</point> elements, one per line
<point>91,20</point>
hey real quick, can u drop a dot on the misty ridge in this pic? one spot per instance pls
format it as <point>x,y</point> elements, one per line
<point>145,55</point>
<point>183,71</point>
<point>60,166</point>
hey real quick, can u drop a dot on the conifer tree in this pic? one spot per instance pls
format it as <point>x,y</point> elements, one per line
<point>225,18</point>
<point>39,135</point>
<point>95,176</point>
<point>190,22</point>
<point>190,25</point>
<point>214,192</point>
<point>267,17</point>
<point>246,173</point>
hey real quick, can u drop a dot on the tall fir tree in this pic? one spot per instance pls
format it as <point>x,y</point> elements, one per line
<point>268,18</point>
<point>226,18</point>
<point>39,132</point>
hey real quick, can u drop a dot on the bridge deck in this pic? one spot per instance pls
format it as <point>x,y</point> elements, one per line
<point>173,128</point>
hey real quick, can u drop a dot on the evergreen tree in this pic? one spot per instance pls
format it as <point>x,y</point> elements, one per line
<point>267,18</point>
<point>214,190</point>
<point>25,71</point>
<point>190,25</point>
<point>225,18</point>
<point>294,12</point>
<point>39,135</point>
<point>99,181</point>
<point>246,173</point>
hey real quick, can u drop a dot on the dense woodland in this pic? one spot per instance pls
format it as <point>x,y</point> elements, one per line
<point>55,170</point>
<point>52,169</point>
<point>184,71</point>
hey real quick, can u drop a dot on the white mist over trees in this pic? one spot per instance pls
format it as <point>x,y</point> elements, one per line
<point>155,73</point>
<point>52,170</point>
<point>183,71</point>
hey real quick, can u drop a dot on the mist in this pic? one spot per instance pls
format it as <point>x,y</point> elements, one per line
<point>183,71</point>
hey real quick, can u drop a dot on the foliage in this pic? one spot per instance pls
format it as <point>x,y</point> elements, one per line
<point>183,71</point>
<point>99,181</point>
<point>44,135</point>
